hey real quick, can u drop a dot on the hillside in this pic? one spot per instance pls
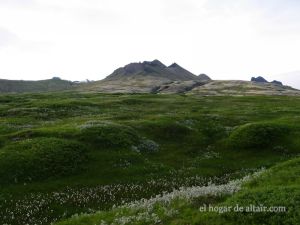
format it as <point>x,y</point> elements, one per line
<point>69,153</point>
<point>20,86</point>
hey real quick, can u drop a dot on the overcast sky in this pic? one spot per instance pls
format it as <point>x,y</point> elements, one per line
<point>88,39</point>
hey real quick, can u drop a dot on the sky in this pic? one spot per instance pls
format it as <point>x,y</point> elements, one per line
<point>89,39</point>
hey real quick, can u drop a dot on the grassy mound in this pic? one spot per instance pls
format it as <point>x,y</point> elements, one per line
<point>166,130</point>
<point>258,135</point>
<point>108,135</point>
<point>40,158</point>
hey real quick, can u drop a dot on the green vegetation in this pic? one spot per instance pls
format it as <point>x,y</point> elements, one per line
<point>259,135</point>
<point>108,135</point>
<point>69,153</point>
<point>275,193</point>
<point>40,158</point>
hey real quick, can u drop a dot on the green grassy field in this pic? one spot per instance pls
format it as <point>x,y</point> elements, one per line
<point>70,153</point>
<point>274,193</point>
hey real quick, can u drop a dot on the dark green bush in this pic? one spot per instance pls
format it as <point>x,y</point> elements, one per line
<point>40,158</point>
<point>108,135</point>
<point>258,135</point>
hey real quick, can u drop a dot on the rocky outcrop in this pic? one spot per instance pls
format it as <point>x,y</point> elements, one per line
<point>276,82</point>
<point>263,80</point>
<point>259,79</point>
<point>204,77</point>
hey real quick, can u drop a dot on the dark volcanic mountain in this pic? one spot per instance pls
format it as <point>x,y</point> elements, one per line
<point>153,69</point>
<point>148,77</point>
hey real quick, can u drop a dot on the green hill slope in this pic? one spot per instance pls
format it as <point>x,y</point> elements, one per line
<point>69,153</point>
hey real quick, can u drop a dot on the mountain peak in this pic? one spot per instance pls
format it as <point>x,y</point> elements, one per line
<point>174,65</point>
<point>155,62</point>
<point>153,68</point>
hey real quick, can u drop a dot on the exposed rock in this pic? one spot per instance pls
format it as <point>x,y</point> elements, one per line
<point>259,79</point>
<point>178,86</point>
<point>263,80</point>
<point>277,82</point>
<point>204,77</point>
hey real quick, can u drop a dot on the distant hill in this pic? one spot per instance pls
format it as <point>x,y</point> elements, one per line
<point>154,77</point>
<point>20,86</point>
<point>153,69</point>
<point>148,77</point>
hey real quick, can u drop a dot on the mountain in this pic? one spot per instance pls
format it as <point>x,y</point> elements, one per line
<point>148,77</point>
<point>155,77</point>
<point>20,86</point>
<point>154,69</point>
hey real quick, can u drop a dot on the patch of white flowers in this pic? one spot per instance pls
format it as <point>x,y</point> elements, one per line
<point>189,193</point>
<point>38,208</point>
<point>144,210</point>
